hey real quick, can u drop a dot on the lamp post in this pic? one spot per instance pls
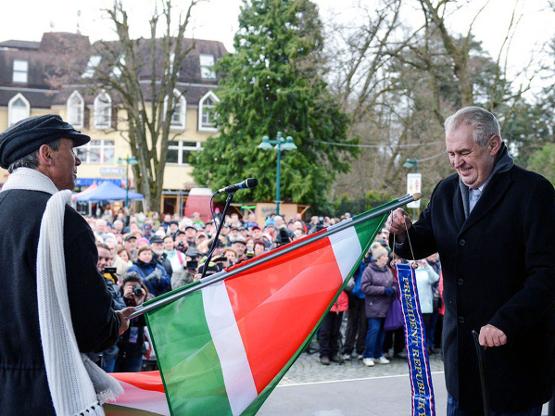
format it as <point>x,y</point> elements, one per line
<point>279,143</point>
<point>129,160</point>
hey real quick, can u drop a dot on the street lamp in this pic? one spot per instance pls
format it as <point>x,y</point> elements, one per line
<point>279,144</point>
<point>129,160</point>
<point>411,164</point>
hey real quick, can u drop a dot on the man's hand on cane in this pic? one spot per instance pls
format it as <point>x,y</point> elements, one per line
<point>491,336</point>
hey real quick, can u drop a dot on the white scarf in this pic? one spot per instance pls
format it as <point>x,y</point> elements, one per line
<point>77,385</point>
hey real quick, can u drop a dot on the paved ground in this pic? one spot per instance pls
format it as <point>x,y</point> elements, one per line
<point>350,389</point>
<point>308,369</point>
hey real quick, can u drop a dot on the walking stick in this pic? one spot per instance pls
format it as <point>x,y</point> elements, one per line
<point>480,354</point>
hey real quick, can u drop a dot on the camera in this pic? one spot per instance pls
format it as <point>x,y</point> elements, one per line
<point>283,237</point>
<point>181,247</point>
<point>137,291</point>
<point>109,273</point>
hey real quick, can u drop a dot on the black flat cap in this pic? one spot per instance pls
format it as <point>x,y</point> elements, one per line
<point>128,237</point>
<point>156,239</point>
<point>26,136</point>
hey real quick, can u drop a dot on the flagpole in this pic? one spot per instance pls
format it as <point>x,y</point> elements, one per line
<point>218,277</point>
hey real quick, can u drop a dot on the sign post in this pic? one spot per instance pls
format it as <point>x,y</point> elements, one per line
<point>414,186</point>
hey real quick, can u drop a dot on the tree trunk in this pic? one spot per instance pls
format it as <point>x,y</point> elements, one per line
<point>148,132</point>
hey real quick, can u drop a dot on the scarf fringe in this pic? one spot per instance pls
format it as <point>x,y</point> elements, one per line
<point>107,388</point>
<point>94,410</point>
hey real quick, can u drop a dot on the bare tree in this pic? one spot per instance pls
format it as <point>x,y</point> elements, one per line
<point>360,58</point>
<point>148,104</point>
<point>399,83</point>
<point>458,49</point>
<point>388,103</point>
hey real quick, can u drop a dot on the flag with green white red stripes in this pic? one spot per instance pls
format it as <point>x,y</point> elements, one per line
<point>222,349</point>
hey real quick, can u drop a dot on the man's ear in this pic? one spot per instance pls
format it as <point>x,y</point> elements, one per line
<point>45,155</point>
<point>494,144</point>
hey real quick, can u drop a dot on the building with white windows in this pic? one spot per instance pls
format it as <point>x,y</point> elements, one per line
<point>40,78</point>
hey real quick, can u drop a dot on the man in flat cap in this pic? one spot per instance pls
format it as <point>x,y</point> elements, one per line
<point>54,303</point>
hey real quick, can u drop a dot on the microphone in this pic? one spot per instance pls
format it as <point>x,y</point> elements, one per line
<point>246,184</point>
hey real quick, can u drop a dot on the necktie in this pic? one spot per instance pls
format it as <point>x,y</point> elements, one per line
<point>474,196</point>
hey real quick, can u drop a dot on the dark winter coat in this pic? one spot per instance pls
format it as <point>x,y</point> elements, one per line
<point>375,280</point>
<point>498,268</point>
<point>154,276</point>
<point>162,260</point>
<point>114,291</point>
<point>23,385</point>
<point>131,342</point>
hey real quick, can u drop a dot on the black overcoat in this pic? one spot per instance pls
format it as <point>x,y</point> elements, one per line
<point>498,268</point>
<point>23,385</point>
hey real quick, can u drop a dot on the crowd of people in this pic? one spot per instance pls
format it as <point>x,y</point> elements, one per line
<point>502,301</point>
<point>373,327</point>
<point>144,256</point>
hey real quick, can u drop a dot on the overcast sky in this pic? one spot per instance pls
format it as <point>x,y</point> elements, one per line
<point>217,20</point>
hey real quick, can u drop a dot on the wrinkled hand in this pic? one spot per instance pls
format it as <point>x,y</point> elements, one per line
<point>491,336</point>
<point>398,222</point>
<point>124,318</point>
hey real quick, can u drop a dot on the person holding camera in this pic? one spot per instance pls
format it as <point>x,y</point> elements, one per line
<point>316,224</point>
<point>132,343</point>
<point>283,236</point>
<point>104,267</point>
<point>180,241</point>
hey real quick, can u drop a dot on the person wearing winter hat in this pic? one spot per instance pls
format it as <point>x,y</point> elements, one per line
<point>153,274</point>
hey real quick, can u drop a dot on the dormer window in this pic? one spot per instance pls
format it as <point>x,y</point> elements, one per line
<point>206,106</point>
<point>75,109</point>
<point>18,109</point>
<point>91,66</point>
<point>20,69</point>
<point>179,112</point>
<point>207,67</point>
<point>102,111</point>
<point>116,70</point>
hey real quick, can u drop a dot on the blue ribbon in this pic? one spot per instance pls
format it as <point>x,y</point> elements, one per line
<point>423,403</point>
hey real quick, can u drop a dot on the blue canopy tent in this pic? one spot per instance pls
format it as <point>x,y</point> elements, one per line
<point>107,191</point>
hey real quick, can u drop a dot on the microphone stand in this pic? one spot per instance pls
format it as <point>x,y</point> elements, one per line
<point>218,230</point>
